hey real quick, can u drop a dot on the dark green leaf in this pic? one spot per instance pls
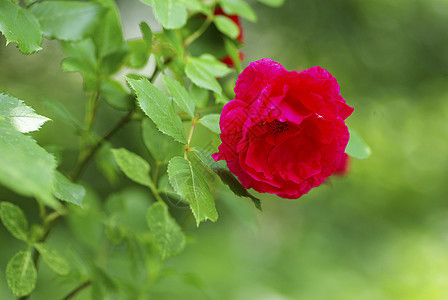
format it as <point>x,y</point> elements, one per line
<point>171,14</point>
<point>21,273</point>
<point>211,122</point>
<point>159,107</point>
<point>189,183</point>
<point>161,146</point>
<point>212,65</point>
<point>180,95</point>
<point>168,235</point>
<point>226,26</point>
<point>20,26</point>
<point>65,190</point>
<point>108,36</point>
<point>53,259</point>
<point>238,7</point>
<point>356,146</point>
<point>116,95</point>
<point>22,117</point>
<point>67,20</point>
<point>25,167</point>
<point>133,166</point>
<point>201,77</point>
<point>14,220</point>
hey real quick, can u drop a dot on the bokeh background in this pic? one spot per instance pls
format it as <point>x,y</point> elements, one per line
<point>379,233</point>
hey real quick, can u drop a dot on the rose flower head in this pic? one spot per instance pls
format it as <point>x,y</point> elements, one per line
<point>284,133</point>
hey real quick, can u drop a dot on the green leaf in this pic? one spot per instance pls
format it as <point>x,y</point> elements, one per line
<point>67,20</point>
<point>168,235</point>
<point>356,146</point>
<point>53,259</point>
<point>200,96</point>
<point>212,65</point>
<point>201,77</point>
<point>171,14</point>
<point>159,107</point>
<point>59,112</point>
<point>226,26</point>
<point>180,95</point>
<point>190,184</point>
<point>272,3</point>
<point>20,26</point>
<point>82,58</point>
<point>211,122</point>
<point>14,220</point>
<point>106,164</point>
<point>138,53</point>
<point>21,273</point>
<point>238,7</point>
<point>133,166</point>
<point>234,54</point>
<point>65,190</point>
<point>108,35</point>
<point>161,146</point>
<point>22,117</point>
<point>196,6</point>
<point>220,168</point>
<point>137,256</point>
<point>25,167</point>
<point>147,34</point>
<point>116,95</point>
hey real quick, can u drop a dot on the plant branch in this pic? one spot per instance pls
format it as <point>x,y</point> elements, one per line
<point>77,290</point>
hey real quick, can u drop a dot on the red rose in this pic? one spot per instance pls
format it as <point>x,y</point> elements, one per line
<point>344,166</point>
<point>284,133</point>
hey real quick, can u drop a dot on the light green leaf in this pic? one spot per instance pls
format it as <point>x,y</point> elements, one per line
<point>108,36</point>
<point>25,167</point>
<point>234,54</point>
<point>356,146</point>
<point>272,3</point>
<point>201,77</point>
<point>171,14</point>
<point>220,168</point>
<point>14,220</point>
<point>116,95</point>
<point>201,96</point>
<point>147,34</point>
<point>189,183</point>
<point>22,117</point>
<point>133,166</point>
<point>20,26</point>
<point>196,6</point>
<point>82,58</point>
<point>65,190</point>
<point>67,20</point>
<point>180,95</point>
<point>159,107</point>
<point>211,122</point>
<point>138,53</point>
<point>53,259</point>
<point>226,26</point>
<point>168,235</point>
<point>21,273</point>
<point>59,112</point>
<point>212,65</point>
<point>238,7</point>
<point>161,146</point>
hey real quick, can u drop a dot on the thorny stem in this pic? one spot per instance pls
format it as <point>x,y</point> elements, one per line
<point>77,290</point>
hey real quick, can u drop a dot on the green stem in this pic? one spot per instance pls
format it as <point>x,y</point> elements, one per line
<point>77,290</point>
<point>190,135</point>
<point>195,35</point>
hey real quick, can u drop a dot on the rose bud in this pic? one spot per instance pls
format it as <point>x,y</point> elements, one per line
<point>284,133</point>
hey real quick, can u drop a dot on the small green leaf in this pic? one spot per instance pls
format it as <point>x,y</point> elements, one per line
<point>14,220</point>
<point>356,146</point>
<point>159,107</point>
<point>168,235</point>
<point>238,7</point>
<point>171,14</point>
<point>116,95</point>
<point>147,34</point>
<point>196,6</point>
<point>133,166</point>
<point>21,273</point>
<point>189,183</point>
<point>20,26</point>
<point>201,96</point>
<point>138,53</point>
<point>234,54</point>
<point>201,77</point>
<point>25,167</point>
<point>161,146</point>
<point>59,112</point>
<point>226,26</point>
<point>65,190</point>
<point>53,259</point>
<point>212,65</point>
<point>211,122</point>
<point>272,3</point>
<point>180,95</point>
<point>22,117</point>
<point>67,20</point>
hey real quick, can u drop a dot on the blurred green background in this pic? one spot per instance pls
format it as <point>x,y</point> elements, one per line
<point>379,233</point>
